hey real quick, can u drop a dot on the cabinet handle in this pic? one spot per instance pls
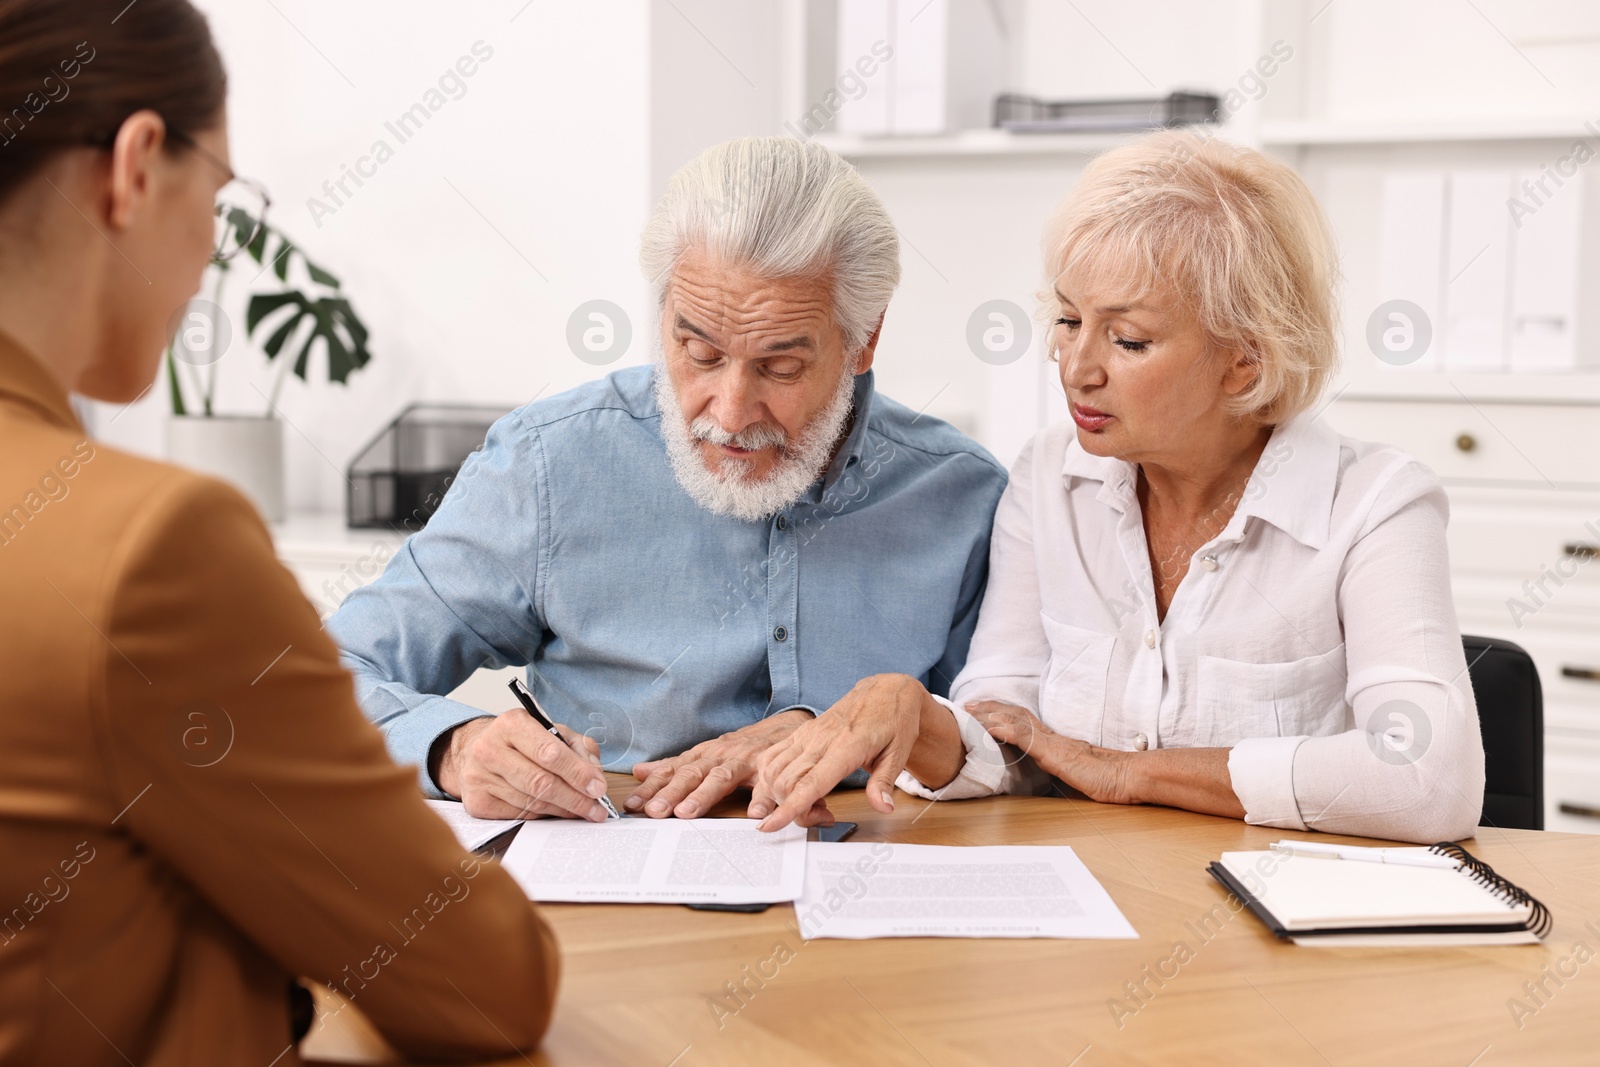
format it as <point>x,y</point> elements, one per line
<point>1579,550</point>
<point>1582,674</point>
<point>1566,807</point>
<point>1466,442</point>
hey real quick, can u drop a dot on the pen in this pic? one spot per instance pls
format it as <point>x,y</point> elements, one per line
<point>525,698</point>
<point>1394,857</point>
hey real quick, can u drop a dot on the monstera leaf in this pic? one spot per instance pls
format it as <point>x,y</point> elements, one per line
<point>332,321</point>
<point>298,318</point>
<point>244,224</point>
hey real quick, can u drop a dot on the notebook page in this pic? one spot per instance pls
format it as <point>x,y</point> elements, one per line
<point>1309,892</point>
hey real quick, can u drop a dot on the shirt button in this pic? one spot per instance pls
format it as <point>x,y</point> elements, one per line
<point>780,634</point>
<point>783,522</point>
<point>1209,562</point>
<point>1141,742</point>
<point>1149,639</point>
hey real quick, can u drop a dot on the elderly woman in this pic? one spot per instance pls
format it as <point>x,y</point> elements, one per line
<point>1199,595</point>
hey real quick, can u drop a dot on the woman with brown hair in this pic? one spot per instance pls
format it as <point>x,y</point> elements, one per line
<point>193,811</point>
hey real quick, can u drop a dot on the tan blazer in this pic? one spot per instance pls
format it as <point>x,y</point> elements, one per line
<point>192,807</point>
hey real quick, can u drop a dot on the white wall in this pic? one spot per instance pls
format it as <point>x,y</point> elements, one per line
<point>716,72</point>
<point>977,220</point>
<point>568,134</point>
<point>972,225</point>
<point>1447,58</point>
<point>549,143</point>
<point>1100,48</point>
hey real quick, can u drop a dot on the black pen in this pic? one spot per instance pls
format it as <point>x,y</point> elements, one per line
<point>525,698</point>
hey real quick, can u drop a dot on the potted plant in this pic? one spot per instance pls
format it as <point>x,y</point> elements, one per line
<point>247,450</point>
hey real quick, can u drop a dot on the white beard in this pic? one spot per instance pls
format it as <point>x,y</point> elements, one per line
<point>724,486</point>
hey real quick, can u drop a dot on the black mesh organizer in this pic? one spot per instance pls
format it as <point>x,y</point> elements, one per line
<point>1030,114</point>
<point>398,479</point>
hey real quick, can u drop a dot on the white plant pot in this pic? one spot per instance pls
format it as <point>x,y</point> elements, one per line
<point>245,451</point>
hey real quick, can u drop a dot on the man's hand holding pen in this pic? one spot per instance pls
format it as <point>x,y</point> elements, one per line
<point>510,767</point>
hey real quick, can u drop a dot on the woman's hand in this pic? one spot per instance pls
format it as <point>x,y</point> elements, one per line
<point>1101,774</point>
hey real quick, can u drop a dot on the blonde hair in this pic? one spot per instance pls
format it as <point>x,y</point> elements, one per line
<point>1235,235</point>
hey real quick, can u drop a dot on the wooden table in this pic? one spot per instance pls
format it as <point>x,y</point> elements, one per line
<point>649,985</point>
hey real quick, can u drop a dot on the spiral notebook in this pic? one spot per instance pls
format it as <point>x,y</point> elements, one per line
<point>1317,900</point>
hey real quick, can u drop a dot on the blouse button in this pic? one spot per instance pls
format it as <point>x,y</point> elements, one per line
<point>1209,562</point>
<point>1149,639</point>
<point>1141,742</point>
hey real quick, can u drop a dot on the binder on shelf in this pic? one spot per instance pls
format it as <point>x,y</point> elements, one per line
<point>935,65</point>
<point>1544,273</point>
<point>1477,261</point>
<point>1411,266</point>
<point>1497,261</point>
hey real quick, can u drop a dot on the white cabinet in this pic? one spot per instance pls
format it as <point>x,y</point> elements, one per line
<point>1524,487</point>
<point>331,561</point>
<point>1571,786</point>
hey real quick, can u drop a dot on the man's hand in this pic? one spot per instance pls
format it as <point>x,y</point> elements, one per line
<point>688,785</point>
<point>874,726</point>
<point>510,767</point>
<point>1102,774</point>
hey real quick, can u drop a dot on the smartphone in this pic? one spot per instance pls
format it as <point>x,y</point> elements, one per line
<point>837,832</point>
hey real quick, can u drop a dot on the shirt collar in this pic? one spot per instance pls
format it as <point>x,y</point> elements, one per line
<point>1292,486</point>
<point>24,379</point>
<point>1117,476</point>
<point>1294,482</point>
<point>856,441</point>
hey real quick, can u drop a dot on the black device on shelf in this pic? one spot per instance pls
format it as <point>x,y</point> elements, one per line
<point>1030,114</point>
<point>397,481</point>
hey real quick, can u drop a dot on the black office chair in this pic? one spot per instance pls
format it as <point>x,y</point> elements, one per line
<point>1511,714</point>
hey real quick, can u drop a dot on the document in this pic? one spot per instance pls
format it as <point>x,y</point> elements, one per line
<point>658,861</point>
<point>859,890</point>
<point>471,832</point>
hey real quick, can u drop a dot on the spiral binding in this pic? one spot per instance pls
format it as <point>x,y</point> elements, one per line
<point>1485,875</point>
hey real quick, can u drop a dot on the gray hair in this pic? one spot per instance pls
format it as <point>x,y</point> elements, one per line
<point>785,209</point>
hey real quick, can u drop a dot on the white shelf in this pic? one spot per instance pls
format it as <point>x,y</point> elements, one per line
<point>988,142</point>
<point>1280,133</point>
<point>1363,378</point>
<point>1297,132</point>
<point>324,535</point>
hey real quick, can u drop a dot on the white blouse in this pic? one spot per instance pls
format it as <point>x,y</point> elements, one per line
<point>1315,637</point>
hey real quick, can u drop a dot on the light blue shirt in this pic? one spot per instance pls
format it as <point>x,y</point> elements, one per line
<point>567,546</point>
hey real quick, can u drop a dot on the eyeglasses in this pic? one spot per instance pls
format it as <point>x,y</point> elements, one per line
<point>241,209</point>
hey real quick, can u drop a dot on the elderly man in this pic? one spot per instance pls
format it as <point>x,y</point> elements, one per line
<point>692,558</point>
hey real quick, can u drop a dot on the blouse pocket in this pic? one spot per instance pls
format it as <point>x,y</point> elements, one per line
<point>1236,700</point>
<point>1072,693</point>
